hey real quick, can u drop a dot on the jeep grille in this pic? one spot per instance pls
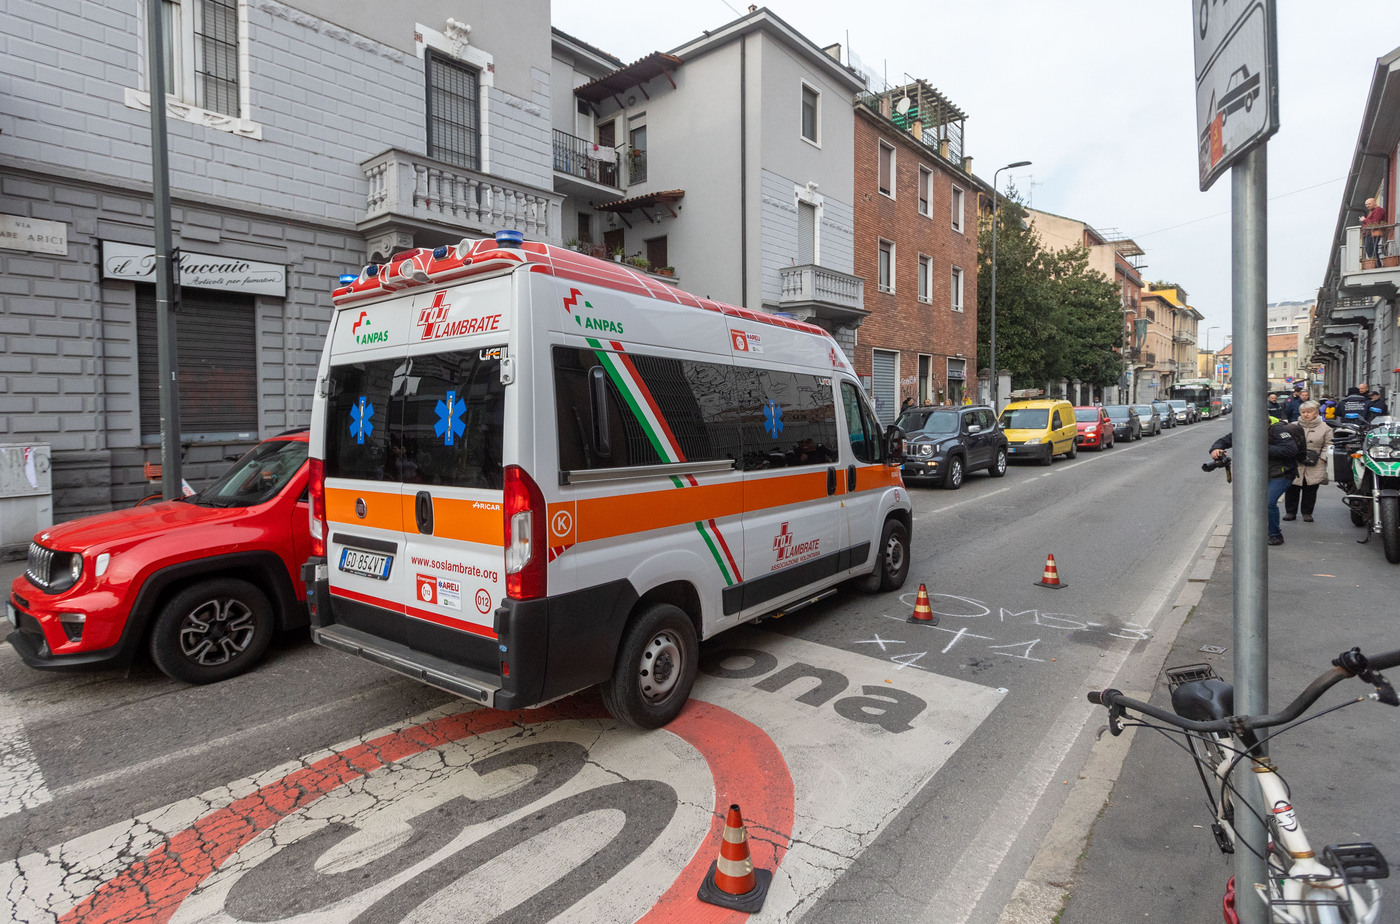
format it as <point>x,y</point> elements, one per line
<point>40,566</point>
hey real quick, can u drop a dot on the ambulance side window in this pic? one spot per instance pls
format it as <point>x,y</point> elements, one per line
<point>653,410</point>
<point>789,419</point>
<point>864,429</point>
<point>457,444</point>
<point>360,416</point>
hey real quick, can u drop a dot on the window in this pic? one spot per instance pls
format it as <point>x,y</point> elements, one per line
<point>217,364</point>
<point>811,115</point>
<point>925,278</point>
<point>925,191</point>
<point>957,289</point>
<point>886,266</point>
<point>886,170</point>
<point>957,209</point>
<point>637,154</point>
<point>864,430</point>
<point>656,252</point>
<point>806,233</point>
<point>202,53</point>
<point>454,115</point>
<point>585,228</point>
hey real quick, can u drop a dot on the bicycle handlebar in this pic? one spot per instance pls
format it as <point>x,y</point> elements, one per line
<point>1348,664</point>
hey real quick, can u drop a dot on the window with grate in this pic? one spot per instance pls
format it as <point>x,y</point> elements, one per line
<point>216,62</point>
<point>454,113</point>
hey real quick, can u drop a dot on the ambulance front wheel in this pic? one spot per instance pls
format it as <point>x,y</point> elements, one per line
<point>655,668</point>
<point>891,559</point>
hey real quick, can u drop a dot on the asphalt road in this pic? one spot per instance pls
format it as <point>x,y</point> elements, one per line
<point>923,764</point>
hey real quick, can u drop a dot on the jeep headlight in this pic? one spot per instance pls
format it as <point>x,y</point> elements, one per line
<point>65,571</point>
<point>1034,441</point>
<point>926,450</point>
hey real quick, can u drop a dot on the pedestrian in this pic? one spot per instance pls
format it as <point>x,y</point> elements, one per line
<point>1275,409</point>
<point>1376,407</point>
<point>1372,235</point>
<point>1282,468</point>
<point>1293,404</point>
<point>1312,465</point>
<point>1353,407</point>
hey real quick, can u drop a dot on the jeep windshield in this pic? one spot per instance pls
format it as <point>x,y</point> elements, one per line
<point>930,422</point>
<point>257,477</point>
<point>1025,418</point>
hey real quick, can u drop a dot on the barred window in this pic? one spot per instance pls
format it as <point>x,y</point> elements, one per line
<point>216,62</point>
<point>454,113</point>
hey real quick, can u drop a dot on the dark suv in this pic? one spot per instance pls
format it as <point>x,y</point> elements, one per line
<point>945,443</point>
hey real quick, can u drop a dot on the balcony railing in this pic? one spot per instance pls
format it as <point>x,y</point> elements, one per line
<point>1377,250</point>
<point>420,189</point>
<point>819,284</point>
<point>587,160</point>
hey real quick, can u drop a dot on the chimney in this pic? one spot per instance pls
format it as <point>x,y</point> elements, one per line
<point>917,129</point>
<point>943,148</point>
<point>833,51</point>
<point>967,165</point>
<point>885,106</point>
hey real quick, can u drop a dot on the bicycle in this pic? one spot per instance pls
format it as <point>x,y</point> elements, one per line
<point>1339,887</point>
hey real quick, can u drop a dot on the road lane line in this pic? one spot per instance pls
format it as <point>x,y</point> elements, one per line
<point>964,887</point>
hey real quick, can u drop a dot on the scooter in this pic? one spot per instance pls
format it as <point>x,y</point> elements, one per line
<point>1373,491</point>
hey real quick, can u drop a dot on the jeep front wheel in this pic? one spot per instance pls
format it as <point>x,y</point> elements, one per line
<point>212,630</point>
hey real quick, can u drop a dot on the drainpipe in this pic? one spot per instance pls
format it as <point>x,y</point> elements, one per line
<point>743,175</point>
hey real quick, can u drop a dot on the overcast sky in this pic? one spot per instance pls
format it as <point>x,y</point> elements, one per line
<point>1100,96</point>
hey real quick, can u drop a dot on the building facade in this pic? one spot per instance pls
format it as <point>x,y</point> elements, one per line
<point>304,140</point>
<point>916,249</point>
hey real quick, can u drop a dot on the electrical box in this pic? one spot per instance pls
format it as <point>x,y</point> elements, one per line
<point>26,493</point>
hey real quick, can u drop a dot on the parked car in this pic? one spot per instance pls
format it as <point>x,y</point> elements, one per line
<point>1226,404</point>
<point>1147,416</point>
<point>1165,414</point>
<point>1185,411</point>
<point>1040,429</point>
<point>947,443</point>
<point>1127,426</point>
<point>1095,429</point>
<point>201,583</point>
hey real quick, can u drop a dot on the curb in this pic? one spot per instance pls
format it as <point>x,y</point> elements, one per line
<point>1041,894</point>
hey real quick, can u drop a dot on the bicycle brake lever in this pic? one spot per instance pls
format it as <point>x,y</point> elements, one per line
<point>1115,720</point>
<point>1384,691</point>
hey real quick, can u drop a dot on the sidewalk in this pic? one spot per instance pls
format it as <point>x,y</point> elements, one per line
<point>1151,855</point>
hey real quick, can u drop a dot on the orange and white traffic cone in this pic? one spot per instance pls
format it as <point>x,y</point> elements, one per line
<point>732,881</point>
<point>923,613</point>
<point>1051,578</point>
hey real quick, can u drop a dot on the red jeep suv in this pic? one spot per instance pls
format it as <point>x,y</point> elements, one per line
<point>202,582</point>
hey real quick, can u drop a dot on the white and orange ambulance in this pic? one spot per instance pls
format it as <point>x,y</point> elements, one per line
<point>534,471</point>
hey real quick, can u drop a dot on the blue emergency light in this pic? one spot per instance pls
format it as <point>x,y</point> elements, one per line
<point>347,278</point>
<point>509,239</point>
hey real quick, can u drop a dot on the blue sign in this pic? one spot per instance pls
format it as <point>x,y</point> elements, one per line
<point>449,422</point>
<point>360,425</point>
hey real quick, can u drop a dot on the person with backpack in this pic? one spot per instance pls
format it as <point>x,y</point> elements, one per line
<point>1283,448</point>
<point>1312,464</point>
<point>1353,407</point>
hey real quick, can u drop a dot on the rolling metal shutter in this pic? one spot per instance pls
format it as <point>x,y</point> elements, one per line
<point>883,385</point>
<point>216,354</point>
<point>806,233</point>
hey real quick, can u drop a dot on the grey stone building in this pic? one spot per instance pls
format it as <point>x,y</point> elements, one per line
<point>305,139</point>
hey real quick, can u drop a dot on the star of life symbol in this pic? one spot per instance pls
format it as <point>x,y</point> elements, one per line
<point>449,423</point>
<point>435,313</point>
<point>782,543</point>
<point>773,419</point>
<point>360,424</point>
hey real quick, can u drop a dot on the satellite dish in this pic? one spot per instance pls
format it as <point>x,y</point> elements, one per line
<point>902,107</point>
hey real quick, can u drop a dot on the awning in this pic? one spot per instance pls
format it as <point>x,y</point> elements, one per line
<point>625,78</point>
<point>663,197</point>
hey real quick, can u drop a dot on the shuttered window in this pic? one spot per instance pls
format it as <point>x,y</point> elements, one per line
<point>806,233</point>
<point>216,354</point>
<point>884,385</point>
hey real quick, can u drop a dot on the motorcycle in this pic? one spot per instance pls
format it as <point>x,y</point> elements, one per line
<point>1373,488</point>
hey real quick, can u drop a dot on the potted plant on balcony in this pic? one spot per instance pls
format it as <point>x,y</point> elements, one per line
<point>572,243</point>
<point>617,253</point>
<point>640,262</point>
<point>666,271</point>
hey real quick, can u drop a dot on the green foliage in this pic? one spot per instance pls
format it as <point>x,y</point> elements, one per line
<point>1056,317</point>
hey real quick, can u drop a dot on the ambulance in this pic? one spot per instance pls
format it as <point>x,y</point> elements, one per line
<point>534,472</point>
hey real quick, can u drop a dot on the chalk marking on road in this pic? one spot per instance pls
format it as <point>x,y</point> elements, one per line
<point>882,642</point>
<point>962,890</point>
<point>21,779</point>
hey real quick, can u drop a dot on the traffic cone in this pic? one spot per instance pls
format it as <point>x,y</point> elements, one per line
<point>1052,576</point>
<point>923,613</point>
<point>732,882</point>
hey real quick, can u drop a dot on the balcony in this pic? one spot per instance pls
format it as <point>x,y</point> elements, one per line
<point>586,166</point>
<point>1378,275</point>
<point>1184,336</point>
<point>415,201</point>
<point>818,291</point>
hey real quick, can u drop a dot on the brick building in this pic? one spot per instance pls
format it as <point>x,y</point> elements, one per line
<point>916,224</point>
<point>305,139</point>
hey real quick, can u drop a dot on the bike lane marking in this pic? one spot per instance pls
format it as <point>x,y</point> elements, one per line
<point>821,747</point>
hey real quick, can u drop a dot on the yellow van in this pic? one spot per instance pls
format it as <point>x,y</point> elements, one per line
<point>1039,429</point>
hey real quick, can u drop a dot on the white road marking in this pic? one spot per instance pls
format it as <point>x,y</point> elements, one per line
<point>964,887</point>
<point>21,780</point>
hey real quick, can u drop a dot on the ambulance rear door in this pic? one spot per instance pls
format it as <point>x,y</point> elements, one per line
<point>450,446</point>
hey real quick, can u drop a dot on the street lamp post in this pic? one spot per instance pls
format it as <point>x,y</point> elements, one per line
<point>996,379</point>
<point>1213,364</point>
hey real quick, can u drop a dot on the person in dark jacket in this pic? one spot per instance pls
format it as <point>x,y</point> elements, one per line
<point>1353,407</point>
<point>1284,449</point>
<point>1376,407</point>
<point>1275,409</point>
<point>1294,404</point>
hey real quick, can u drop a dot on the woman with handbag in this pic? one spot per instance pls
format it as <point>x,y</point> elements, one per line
<point>1312,463</point>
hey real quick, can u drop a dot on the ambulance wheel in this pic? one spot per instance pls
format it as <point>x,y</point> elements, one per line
<point>891,559</point>
<point>212,630</point>
<point>655,668</point>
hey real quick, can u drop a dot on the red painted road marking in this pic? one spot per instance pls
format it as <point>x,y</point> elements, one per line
<point>746,766</point>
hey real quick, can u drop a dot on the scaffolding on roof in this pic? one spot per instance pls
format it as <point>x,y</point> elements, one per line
<point>929,116</point>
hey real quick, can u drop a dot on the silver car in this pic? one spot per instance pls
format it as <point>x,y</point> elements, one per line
<point>1147,415</point>
<point>1185,413</point>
